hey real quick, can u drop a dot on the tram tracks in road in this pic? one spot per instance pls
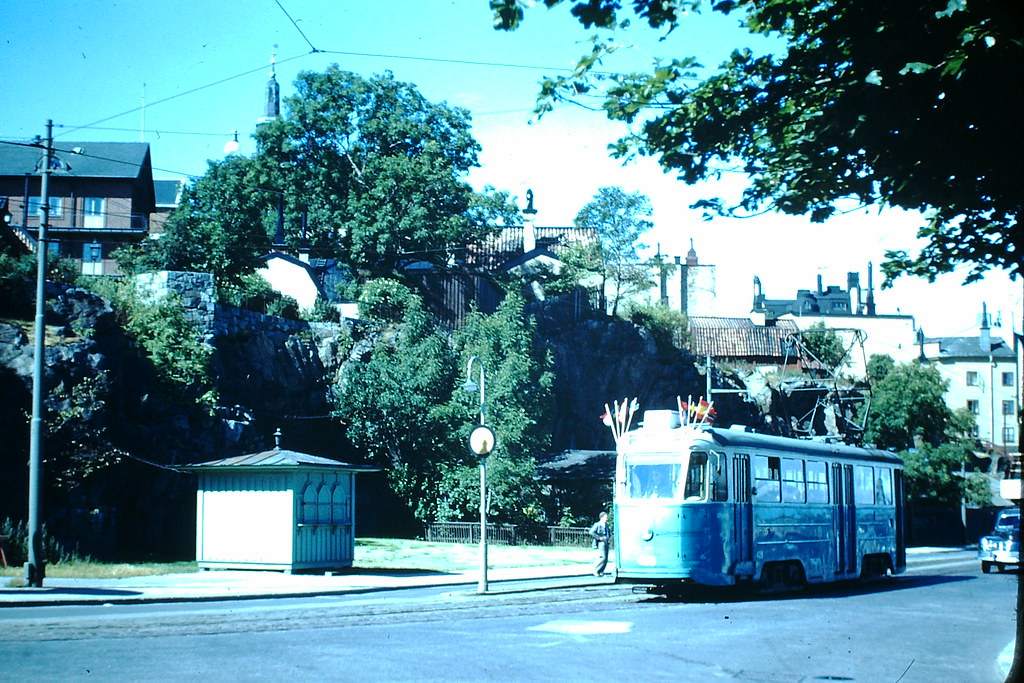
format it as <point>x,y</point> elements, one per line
<point>316,613</point>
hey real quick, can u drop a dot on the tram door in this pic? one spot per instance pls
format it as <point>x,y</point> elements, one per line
<point>901,538</point>
<point>844,519</point>
<point>743,532</point>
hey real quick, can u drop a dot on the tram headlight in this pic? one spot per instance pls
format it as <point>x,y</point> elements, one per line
<point>647,535</point>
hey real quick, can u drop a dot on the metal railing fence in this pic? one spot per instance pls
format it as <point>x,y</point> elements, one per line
<point>508,534</point>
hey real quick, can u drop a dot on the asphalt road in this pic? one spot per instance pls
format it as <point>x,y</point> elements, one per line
<point>940,623</point>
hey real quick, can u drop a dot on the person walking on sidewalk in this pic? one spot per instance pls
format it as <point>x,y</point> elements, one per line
<point>599,534</point>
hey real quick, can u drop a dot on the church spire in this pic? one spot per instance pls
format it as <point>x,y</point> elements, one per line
<point>272,104</point>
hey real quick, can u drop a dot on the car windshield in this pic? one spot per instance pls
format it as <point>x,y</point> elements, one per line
<point>1009,520</point>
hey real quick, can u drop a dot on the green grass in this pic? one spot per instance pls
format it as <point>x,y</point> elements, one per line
<point>394,554</point>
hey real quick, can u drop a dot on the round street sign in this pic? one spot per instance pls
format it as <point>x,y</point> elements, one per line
<point>481,441</point>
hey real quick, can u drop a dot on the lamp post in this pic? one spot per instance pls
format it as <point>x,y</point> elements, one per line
<point>35,567</point>
<point>481,443</point>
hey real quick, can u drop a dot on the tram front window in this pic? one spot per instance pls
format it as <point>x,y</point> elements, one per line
<point>668,481</point>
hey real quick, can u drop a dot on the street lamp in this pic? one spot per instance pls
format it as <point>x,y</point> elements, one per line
<point>481,443</point>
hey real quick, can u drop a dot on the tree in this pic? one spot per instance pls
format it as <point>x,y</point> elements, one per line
<point>519,382</point>
<point>377,170</point>
<point>218,228</point>
<point>393,401</point>
<point>907,407</point>
<point>908,413</point>
<point>825,345</point>
<point>618,219</point>
<point>850,109</point>
<point>404,405</point>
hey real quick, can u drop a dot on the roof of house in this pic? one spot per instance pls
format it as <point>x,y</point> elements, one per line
<point>576,465</point>
<point>740,338</point>
<point>168,192</point>
<point>80,159</point>
<point>970,347</point>
<point>507,244</point>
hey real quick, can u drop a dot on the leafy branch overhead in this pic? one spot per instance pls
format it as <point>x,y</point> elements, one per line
<point>865,103</point>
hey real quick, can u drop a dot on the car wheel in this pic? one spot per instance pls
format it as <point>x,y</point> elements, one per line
<point>986,567</point>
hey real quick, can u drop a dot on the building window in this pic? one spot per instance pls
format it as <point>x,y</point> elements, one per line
<point>92,258</point>
<point>92,212</point>
<point>972,378</point>
<point>35,207</point>
<point>974,406</point>
<point>1007,379</point>
<point>1008,408</point>
<point>1009,435</point>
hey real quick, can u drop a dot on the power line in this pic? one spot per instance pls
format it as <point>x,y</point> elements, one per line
<point>308,41</point>
<point>180,94</point>
<point>440,60</point>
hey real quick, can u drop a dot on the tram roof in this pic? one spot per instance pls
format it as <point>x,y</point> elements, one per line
<point>739,439</point>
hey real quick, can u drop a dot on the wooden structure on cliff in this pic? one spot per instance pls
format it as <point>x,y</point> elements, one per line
<point>276,510</point>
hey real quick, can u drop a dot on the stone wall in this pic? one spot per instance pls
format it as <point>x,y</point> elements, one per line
<point>199,300</point>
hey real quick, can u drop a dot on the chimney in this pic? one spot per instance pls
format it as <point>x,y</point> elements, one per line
<point>529,224</point>
<point>304,242</point>
<point>853,288</point>
<point>985,338</point>
<point>871,290</point>
<point>819,283</point>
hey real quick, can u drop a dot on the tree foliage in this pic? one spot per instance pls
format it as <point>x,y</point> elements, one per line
<point>217,228</point>
<point>908,413</point>
<point>367,171</point>
<point>618,219</point>
<point>518,394</point>
<point>378,171</point>
<point>938,474</point>
<point>852,108</point>
<point>403,404</point>
<point>907,407</point>
<point>825,345</point>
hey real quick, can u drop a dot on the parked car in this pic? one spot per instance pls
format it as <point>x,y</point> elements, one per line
<point>1002,546</point>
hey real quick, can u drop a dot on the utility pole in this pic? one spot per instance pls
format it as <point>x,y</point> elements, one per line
<point>35,567</point>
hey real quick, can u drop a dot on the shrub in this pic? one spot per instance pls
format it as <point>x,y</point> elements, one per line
<point>669,328</point>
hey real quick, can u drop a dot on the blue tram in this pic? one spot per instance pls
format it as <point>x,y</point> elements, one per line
<point>724,507</point>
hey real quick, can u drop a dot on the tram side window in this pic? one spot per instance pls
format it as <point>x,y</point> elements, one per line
<point>793,480</point>
<point>863,485</point>
<point>817,482</point>
<point>767,478</point>
<point>719,479</point>
<point>883,486</point>
<point>695,478</point>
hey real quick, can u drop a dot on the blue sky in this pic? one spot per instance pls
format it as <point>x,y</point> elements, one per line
<point>201,67</point>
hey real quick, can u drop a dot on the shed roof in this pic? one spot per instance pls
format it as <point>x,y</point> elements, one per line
<point>739,337</point>
<point>277,458</point>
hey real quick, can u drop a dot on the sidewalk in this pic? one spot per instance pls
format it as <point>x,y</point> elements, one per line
<point>252,584</point>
